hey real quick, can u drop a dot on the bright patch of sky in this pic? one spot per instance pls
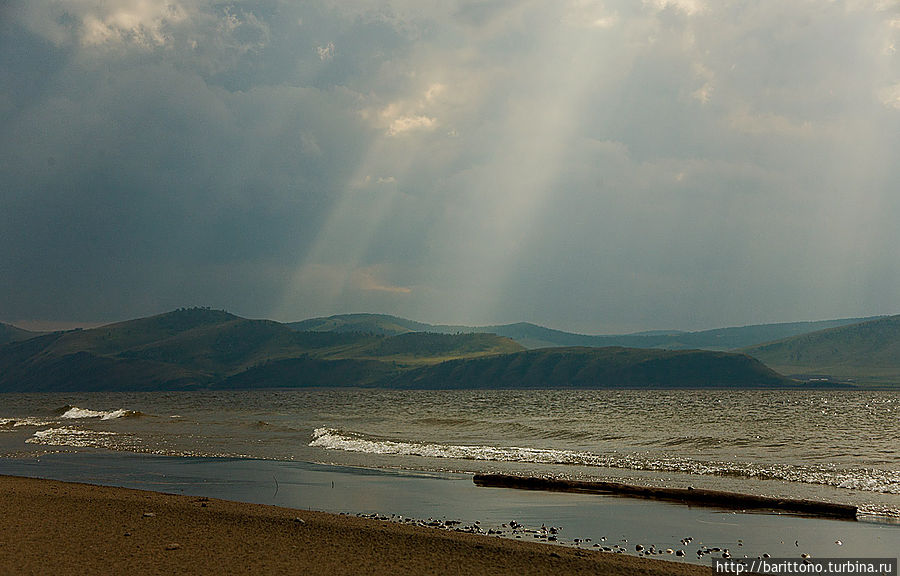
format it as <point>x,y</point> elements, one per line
<point>591,165</point>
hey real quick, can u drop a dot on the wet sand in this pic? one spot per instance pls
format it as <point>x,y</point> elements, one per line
<point>50,527</point>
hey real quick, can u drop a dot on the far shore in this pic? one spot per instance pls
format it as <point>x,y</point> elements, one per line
<point>51,527</point>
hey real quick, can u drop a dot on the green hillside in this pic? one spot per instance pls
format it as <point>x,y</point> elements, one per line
<point>740,337</point>
<point>868,353</point>
<point>415,345</point>
<point>597,368</point>
<point>200,348</point>
<point>373,363</point>
<point>366,323</point>
<point>36,365</point>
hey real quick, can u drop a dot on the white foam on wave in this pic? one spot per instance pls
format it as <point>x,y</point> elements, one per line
<point>76,413</point>
<point>75,437</point>
<point>331,439</point>
<point>870,480</point>
<point>9,424</point>
<point>879,513</point>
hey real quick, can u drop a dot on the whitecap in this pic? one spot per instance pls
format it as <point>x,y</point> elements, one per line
<point>868,479</point>
<point>9,424</point>
<point>76,413</point>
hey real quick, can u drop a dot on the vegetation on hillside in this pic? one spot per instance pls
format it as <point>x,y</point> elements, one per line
<point>199,348</point>
<point>867,353</point>
<point>534,336</point>
<point>612,367</point>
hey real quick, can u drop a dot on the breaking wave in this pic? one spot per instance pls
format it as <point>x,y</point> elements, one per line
<point>73,437</point>
<point>8,424</point>
<point>863,479</point>
<point>75,413</point>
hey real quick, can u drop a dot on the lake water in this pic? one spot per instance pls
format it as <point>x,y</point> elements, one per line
<point>836,446</point>
<point>412,453</point>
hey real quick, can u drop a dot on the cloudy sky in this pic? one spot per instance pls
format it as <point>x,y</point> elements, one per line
<point>590,165</point>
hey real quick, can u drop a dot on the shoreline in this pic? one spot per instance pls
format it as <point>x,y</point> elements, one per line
<point>584,521</point>
<point>48,526</point>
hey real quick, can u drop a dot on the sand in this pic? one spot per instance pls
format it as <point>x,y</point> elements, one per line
<point>50,527</point>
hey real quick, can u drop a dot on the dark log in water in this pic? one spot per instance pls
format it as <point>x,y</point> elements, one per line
<point>712,498</point>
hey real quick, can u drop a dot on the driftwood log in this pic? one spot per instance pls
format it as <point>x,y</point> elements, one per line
<point>712,498</point>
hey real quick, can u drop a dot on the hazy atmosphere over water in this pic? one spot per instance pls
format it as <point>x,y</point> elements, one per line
<point>588,165</point>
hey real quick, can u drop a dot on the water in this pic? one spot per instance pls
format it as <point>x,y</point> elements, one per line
<point>583,520</point>
<point>836,446</point>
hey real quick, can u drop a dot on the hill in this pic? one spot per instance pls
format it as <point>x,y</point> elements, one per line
<point>868,353</point>
<point>740,337</point>
<point>374,364</point>
<point>181,349</point>
<point>199,348</point>
<point>612,367</point>
<point>534,336</point>
<point>307,372</point>
<point>365,323</point>
<point>202,348</point>
<point>10,333</point>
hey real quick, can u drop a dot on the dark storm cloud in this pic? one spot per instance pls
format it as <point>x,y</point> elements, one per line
<point>128,167</point>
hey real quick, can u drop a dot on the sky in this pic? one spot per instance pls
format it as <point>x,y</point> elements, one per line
<point>594,166</point>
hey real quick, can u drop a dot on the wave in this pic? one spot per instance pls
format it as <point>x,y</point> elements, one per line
<point>120,442</point>
<point>508,428</point>
<point>862,479</point>
<point>879,514</point>
<point>448,422</point>
<point>75,437</point>
<point>7,424</point>
<point>69,412</point>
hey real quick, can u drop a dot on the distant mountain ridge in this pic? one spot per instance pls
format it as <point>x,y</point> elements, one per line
<point>868,352</point>
<point>534,336</point>
<point>199,348</point>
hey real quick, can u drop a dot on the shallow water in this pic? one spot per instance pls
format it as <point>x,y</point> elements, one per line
<point>582,520</point>
<point>831,445</point>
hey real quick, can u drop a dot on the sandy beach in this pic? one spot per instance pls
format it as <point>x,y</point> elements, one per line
<point>50,527</point>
